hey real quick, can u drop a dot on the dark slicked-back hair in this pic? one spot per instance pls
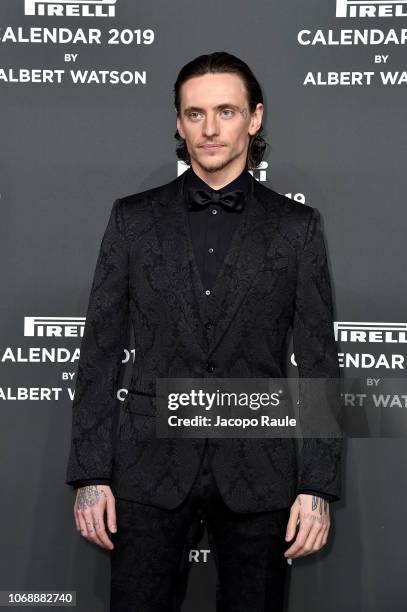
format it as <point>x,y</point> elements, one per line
<point>221,62</point>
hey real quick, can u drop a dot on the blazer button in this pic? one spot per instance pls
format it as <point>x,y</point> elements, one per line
<point>209,325</point>
<point>210,367</point>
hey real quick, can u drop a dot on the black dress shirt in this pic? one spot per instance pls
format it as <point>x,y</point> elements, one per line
<point>211,228</point>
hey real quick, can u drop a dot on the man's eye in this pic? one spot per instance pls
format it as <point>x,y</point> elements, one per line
<point>228,112</point>
<point>193,115</point>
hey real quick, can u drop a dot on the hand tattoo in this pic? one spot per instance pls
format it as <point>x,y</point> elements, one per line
<point>88,496</point>
<point>314,517</point>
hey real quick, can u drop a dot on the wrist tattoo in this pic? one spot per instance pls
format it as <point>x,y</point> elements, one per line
<point>320,504</point>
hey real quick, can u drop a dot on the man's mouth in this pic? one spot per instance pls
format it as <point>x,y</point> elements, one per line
<point>212,146</point>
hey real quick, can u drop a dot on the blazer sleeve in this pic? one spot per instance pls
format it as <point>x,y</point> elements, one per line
<point>101,352</point>
<point>91,481</point>
<point>316,356</point>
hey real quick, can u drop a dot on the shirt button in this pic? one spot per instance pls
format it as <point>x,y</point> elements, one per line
<point>210,367</point>
<point>214,211</point>
<point>208,292</point>
<point>210,250</point>
<point>209,325</point>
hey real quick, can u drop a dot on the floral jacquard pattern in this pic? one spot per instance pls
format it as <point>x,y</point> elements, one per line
<point>274,280</point>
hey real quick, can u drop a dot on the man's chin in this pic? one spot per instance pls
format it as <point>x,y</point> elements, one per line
<point>213,165</point>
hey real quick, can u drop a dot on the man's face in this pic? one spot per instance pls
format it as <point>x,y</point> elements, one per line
<point>215,120</point>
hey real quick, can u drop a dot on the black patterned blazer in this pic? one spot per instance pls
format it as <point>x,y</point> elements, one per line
<point>273,280</point>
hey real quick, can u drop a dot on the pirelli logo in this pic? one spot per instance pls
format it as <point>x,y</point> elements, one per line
<point>54,327</point>
<point>70,8</point>
<point>370,332</point>
<point>372,8</point>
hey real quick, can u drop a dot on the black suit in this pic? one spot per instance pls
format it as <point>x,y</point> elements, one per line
<point>268,272</point>
<point>274,276</point>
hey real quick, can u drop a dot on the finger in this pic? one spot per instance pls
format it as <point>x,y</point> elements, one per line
<point>111,514</point>
<point>76,517</point>
<point>90,520</point>
<point>99,526</point>
<point>298,543</point>
<point>318,544</point>
<point>308,545</point>
<point>292,522</point>
<point>326,535</point>
<point>82,525</point>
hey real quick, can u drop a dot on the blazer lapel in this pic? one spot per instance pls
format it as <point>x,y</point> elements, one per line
<point>180,281</point>
<point>183,290</point>
<point>244,259</point>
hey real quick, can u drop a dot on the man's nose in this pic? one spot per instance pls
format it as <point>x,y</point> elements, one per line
<point>210,126</point>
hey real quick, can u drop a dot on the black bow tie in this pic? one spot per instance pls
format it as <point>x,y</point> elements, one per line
<point>231,200</point>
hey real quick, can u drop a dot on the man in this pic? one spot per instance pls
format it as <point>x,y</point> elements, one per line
<point>212,270</point>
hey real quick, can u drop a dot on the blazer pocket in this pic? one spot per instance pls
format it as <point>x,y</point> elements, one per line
<point>140,403</point>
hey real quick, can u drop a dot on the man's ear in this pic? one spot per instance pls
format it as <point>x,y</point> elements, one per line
<point>256,119</point>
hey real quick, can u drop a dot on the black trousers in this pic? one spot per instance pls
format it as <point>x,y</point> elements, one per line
<point>150,563</point>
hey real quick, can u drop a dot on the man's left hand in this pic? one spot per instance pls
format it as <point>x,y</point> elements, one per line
<point>312,513</point>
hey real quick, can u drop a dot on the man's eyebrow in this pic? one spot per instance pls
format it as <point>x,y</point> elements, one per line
<point>188,109</point>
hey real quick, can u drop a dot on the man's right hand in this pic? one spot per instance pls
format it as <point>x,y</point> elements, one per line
<point>90,504</point>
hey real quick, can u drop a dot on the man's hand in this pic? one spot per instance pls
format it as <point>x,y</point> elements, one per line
<point>312,512</point>
<point>90,504</point>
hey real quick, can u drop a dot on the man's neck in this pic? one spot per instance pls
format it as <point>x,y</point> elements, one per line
<point>217,180</point>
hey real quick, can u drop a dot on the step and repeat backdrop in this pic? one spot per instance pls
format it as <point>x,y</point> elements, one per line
<point>87,116</point>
